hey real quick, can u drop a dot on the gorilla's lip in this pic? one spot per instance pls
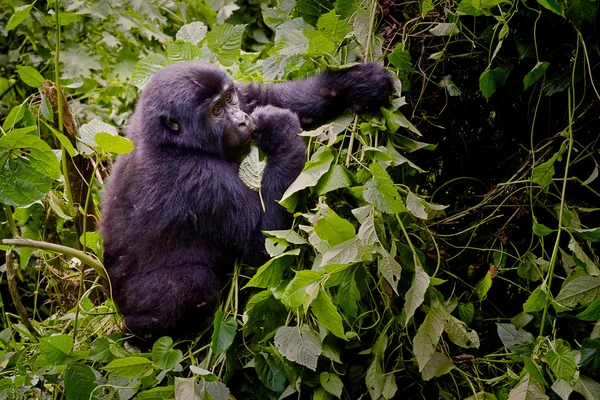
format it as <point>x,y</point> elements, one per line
<point>247,140</point>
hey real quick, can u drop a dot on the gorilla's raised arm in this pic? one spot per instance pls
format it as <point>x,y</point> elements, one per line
<point>317,99</point>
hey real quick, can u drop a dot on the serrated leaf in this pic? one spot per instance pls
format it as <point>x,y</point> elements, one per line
<point>19,16</point>
<point>313,170</point>
<point>543,173</point>
<point>130,367</point>
<point>164,355</point>
<point>428,334</point>
<point>88,132</point>
<point>147,67</point>
<point>416,293</point>
<point>561,360</point>
<point>80,382</point>
<point>381,192</point>
<point>331,227</point>
<point>225,41</point>
<point>296,291</point>
<point>251,169</point>
<point>491,80</point>
<point>389,268</point>
<point>327,314</point>
<point>182,52</point>
<point>224,332</point>
<point>299,344</point>
<point>536,73</point>
<point>26,175</point>
<point>56,349</point>
<point>193,32</point>
<point>30,76</point>
<point>527,389</point>
<point>584,290</point>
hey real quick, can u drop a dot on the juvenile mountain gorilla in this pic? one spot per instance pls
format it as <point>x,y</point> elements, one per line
<point>175,213</point>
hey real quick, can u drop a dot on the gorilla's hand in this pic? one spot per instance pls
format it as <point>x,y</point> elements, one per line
<point>366,87</point>
<point>276,129</point>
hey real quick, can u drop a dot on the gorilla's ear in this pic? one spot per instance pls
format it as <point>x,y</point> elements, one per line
<point>171,123</point>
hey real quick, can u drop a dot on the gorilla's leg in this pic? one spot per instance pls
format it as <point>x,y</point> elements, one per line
<point>170,301</point>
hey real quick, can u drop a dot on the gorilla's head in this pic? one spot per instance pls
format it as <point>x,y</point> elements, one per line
<point>193,104</point>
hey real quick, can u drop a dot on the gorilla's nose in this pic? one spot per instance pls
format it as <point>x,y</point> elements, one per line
<point>241,119</point>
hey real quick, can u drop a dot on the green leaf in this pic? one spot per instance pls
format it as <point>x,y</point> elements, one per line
<point>332,383</point>
<point>591,313</point>
<point>182,52</point>
<point>327,314</point>
<point>193,32</point>
<point>536,301</point>
<point>115,144</point>
<point>416,293</point>
<point>30,76</point>
<point>584,290</point>
<point>157,393</point>
<point>188,389</point>
<point>251,169</point>
<point>299,344</point>
<point>593,235</point>
<point>428,334</point>
<point>225,41</point>
<point>511,337</point>
<point>64,140</point>
<point>445,29</point>
<point>543,173</point>
<point>14,116</point>
<point>269,373</point>
<point>147,67</point>
<point>541,230</point>
<point>217,390</point>
<point>56,349</point>
<point>590,356</point>
<point>319,164</point>
<point>381,192</point>
<point>527,389</point>
<point>466,311</point>
<point>491,80</point>
<point>579,10</point>
<point>296,291</point>
<point>223,333</point>
<point>80,382</point>
<point>400,58</point>
<point>28,169</point>
<point>19,16</point>
<point>561,360</point>
<point>536,73</point>
<point>439,364</point>
<point>130,367</point>
<point>334,28</point>
<point>484,285</point>
<point>66,18</point>
<point>389,268</point>
<point>329,226</point>
<point>553,6</point>
<point>588,387</point>
<point>164,355</point>
<point>271,272</point>
<point>458,334</point>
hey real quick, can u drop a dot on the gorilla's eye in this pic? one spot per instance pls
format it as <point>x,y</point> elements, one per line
<point>171,123</point>
<point>217,109</point>
<point>228,97</point>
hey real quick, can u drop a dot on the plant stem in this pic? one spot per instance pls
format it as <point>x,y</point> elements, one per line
<point>57,248</point>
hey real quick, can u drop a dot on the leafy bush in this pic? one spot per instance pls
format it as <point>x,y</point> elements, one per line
<point>451,238</point>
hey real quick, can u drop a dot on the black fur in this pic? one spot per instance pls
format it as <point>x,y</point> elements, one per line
<point>176,214</point>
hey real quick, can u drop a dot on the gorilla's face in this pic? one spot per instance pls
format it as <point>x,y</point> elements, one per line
<point>193,105</point>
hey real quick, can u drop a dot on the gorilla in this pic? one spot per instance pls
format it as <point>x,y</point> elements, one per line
<point>176,215</point>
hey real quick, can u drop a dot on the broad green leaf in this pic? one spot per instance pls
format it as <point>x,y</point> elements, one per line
<point>299,344</point>
<point>157,393</point>
<point>347,252</point>
<point>271,273</point>
<point>204,373</point>
<point>217,390</point>
<point>130,367</point>
<point>46,108</point>
<point>318,43</point>
<point>531,269</point>
<point>416,293</point>
<point>269,373</point>
<point>79,381</point>
<point>541,230</point>
<point>535,371</point>
<point>466,311</point>
<point>348,295</point>
<point>314,169</point>
<point>527,389</point>
<point>457,332</point>
<point>187,389</point>
<point>93,241</point>
<point>28,169</point>
<point>223,333</point>
<point>336,178</point>
<point>591,313</point>
<point>536,73</point>
<point>511,337</point>
<point>113,143</point>
<point>327,314</point>
<point>536,301</point>
<point>562,389</point>
<point>466,7</point>
<point>296,291</point>
<point>491,80</point>
<point>333,27</point>
<point>145,68</point>
<point>484,285</point>
<point>553,6</point>
<point>395,120</point>
<point>182,52</point>
<point>14,116</point>
<point>389,268</point>
<point>445,29</point>
<point>193,32</point>
<point>428,334</point>
<point>543,173</point>
<point>66,18</point>
<point>329,226</point>
<point>88,132</point>
<point>579,10</point>
<point>56,349</point>
<point>19,16</point>
<point>30,76</point>
<point>439,364</point>
<point>593,235</point>
<point>332,383</point>
<point>420,208</point>
<point>225,41</point>
<point>561,360</point>
<point>251,169</point>
<point>426,6</point>
<point>362,25</point>
<point>288,235</point>
<point>589,388</point>
<point>381,192</point>
<point>63,139</point>
<point>590,356</point>
<point>164,355</point>
<point>584,290</point>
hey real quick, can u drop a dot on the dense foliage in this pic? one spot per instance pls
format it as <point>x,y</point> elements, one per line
<point>444,247</point>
